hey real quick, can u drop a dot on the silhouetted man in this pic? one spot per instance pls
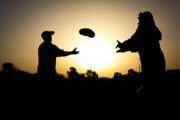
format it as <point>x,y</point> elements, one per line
<point>145,41</point>
<point>47,53</point>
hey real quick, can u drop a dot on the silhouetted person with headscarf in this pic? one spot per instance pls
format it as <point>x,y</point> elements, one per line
<point>47,54</point>
<point>145,41</point>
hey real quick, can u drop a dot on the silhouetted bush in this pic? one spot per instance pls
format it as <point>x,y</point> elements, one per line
<point>12,78</point>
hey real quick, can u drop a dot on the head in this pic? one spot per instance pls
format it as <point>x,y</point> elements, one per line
<point>145,18</point>
<point>47,36</point>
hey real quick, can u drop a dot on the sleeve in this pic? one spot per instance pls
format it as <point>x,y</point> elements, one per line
<point>58,51</point>
<point>132,44</point>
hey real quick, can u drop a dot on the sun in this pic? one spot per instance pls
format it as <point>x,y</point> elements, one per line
<point>95,53</point>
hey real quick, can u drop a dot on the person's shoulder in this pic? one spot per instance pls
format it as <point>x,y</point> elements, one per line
<point>54,46</point>
<point>41,45</point>
<point>45,45</point>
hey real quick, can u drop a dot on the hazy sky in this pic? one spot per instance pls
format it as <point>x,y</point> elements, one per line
<point>23,21</point>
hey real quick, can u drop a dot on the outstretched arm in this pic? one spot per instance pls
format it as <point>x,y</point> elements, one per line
<point>123,46</point>
<point>66,53</point>
<point>74,51</point>
<point>132,44</point>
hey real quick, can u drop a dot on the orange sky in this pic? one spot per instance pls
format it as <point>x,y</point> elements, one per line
<point>22,23</point>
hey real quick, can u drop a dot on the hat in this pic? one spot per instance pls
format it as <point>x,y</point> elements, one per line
<point>47,33</point>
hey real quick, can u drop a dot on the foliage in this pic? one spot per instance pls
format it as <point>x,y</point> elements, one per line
<point>13,77</point>
<point>8,67</point>
<point>72,74</point>
<point>91,74</point>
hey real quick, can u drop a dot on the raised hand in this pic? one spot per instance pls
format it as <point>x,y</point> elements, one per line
<point>121,50</point>
<point>74,51</point>
<point>119,44</point>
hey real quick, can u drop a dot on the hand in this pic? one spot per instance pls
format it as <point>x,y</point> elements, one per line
<point>119,45</point>
<point>74,51</point>
<point>121,50</point>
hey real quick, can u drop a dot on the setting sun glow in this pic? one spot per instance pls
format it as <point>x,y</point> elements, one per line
<point>23,21</point>
<point>95,53</point>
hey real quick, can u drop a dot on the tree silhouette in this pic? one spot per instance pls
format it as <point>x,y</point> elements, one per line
<point>8,67</point>
<point>60,76</point>
<point>132,72</point>
<point>117,76</point>
<point>94,75</point>
<point>72,74</point>
<point>91,74</point>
